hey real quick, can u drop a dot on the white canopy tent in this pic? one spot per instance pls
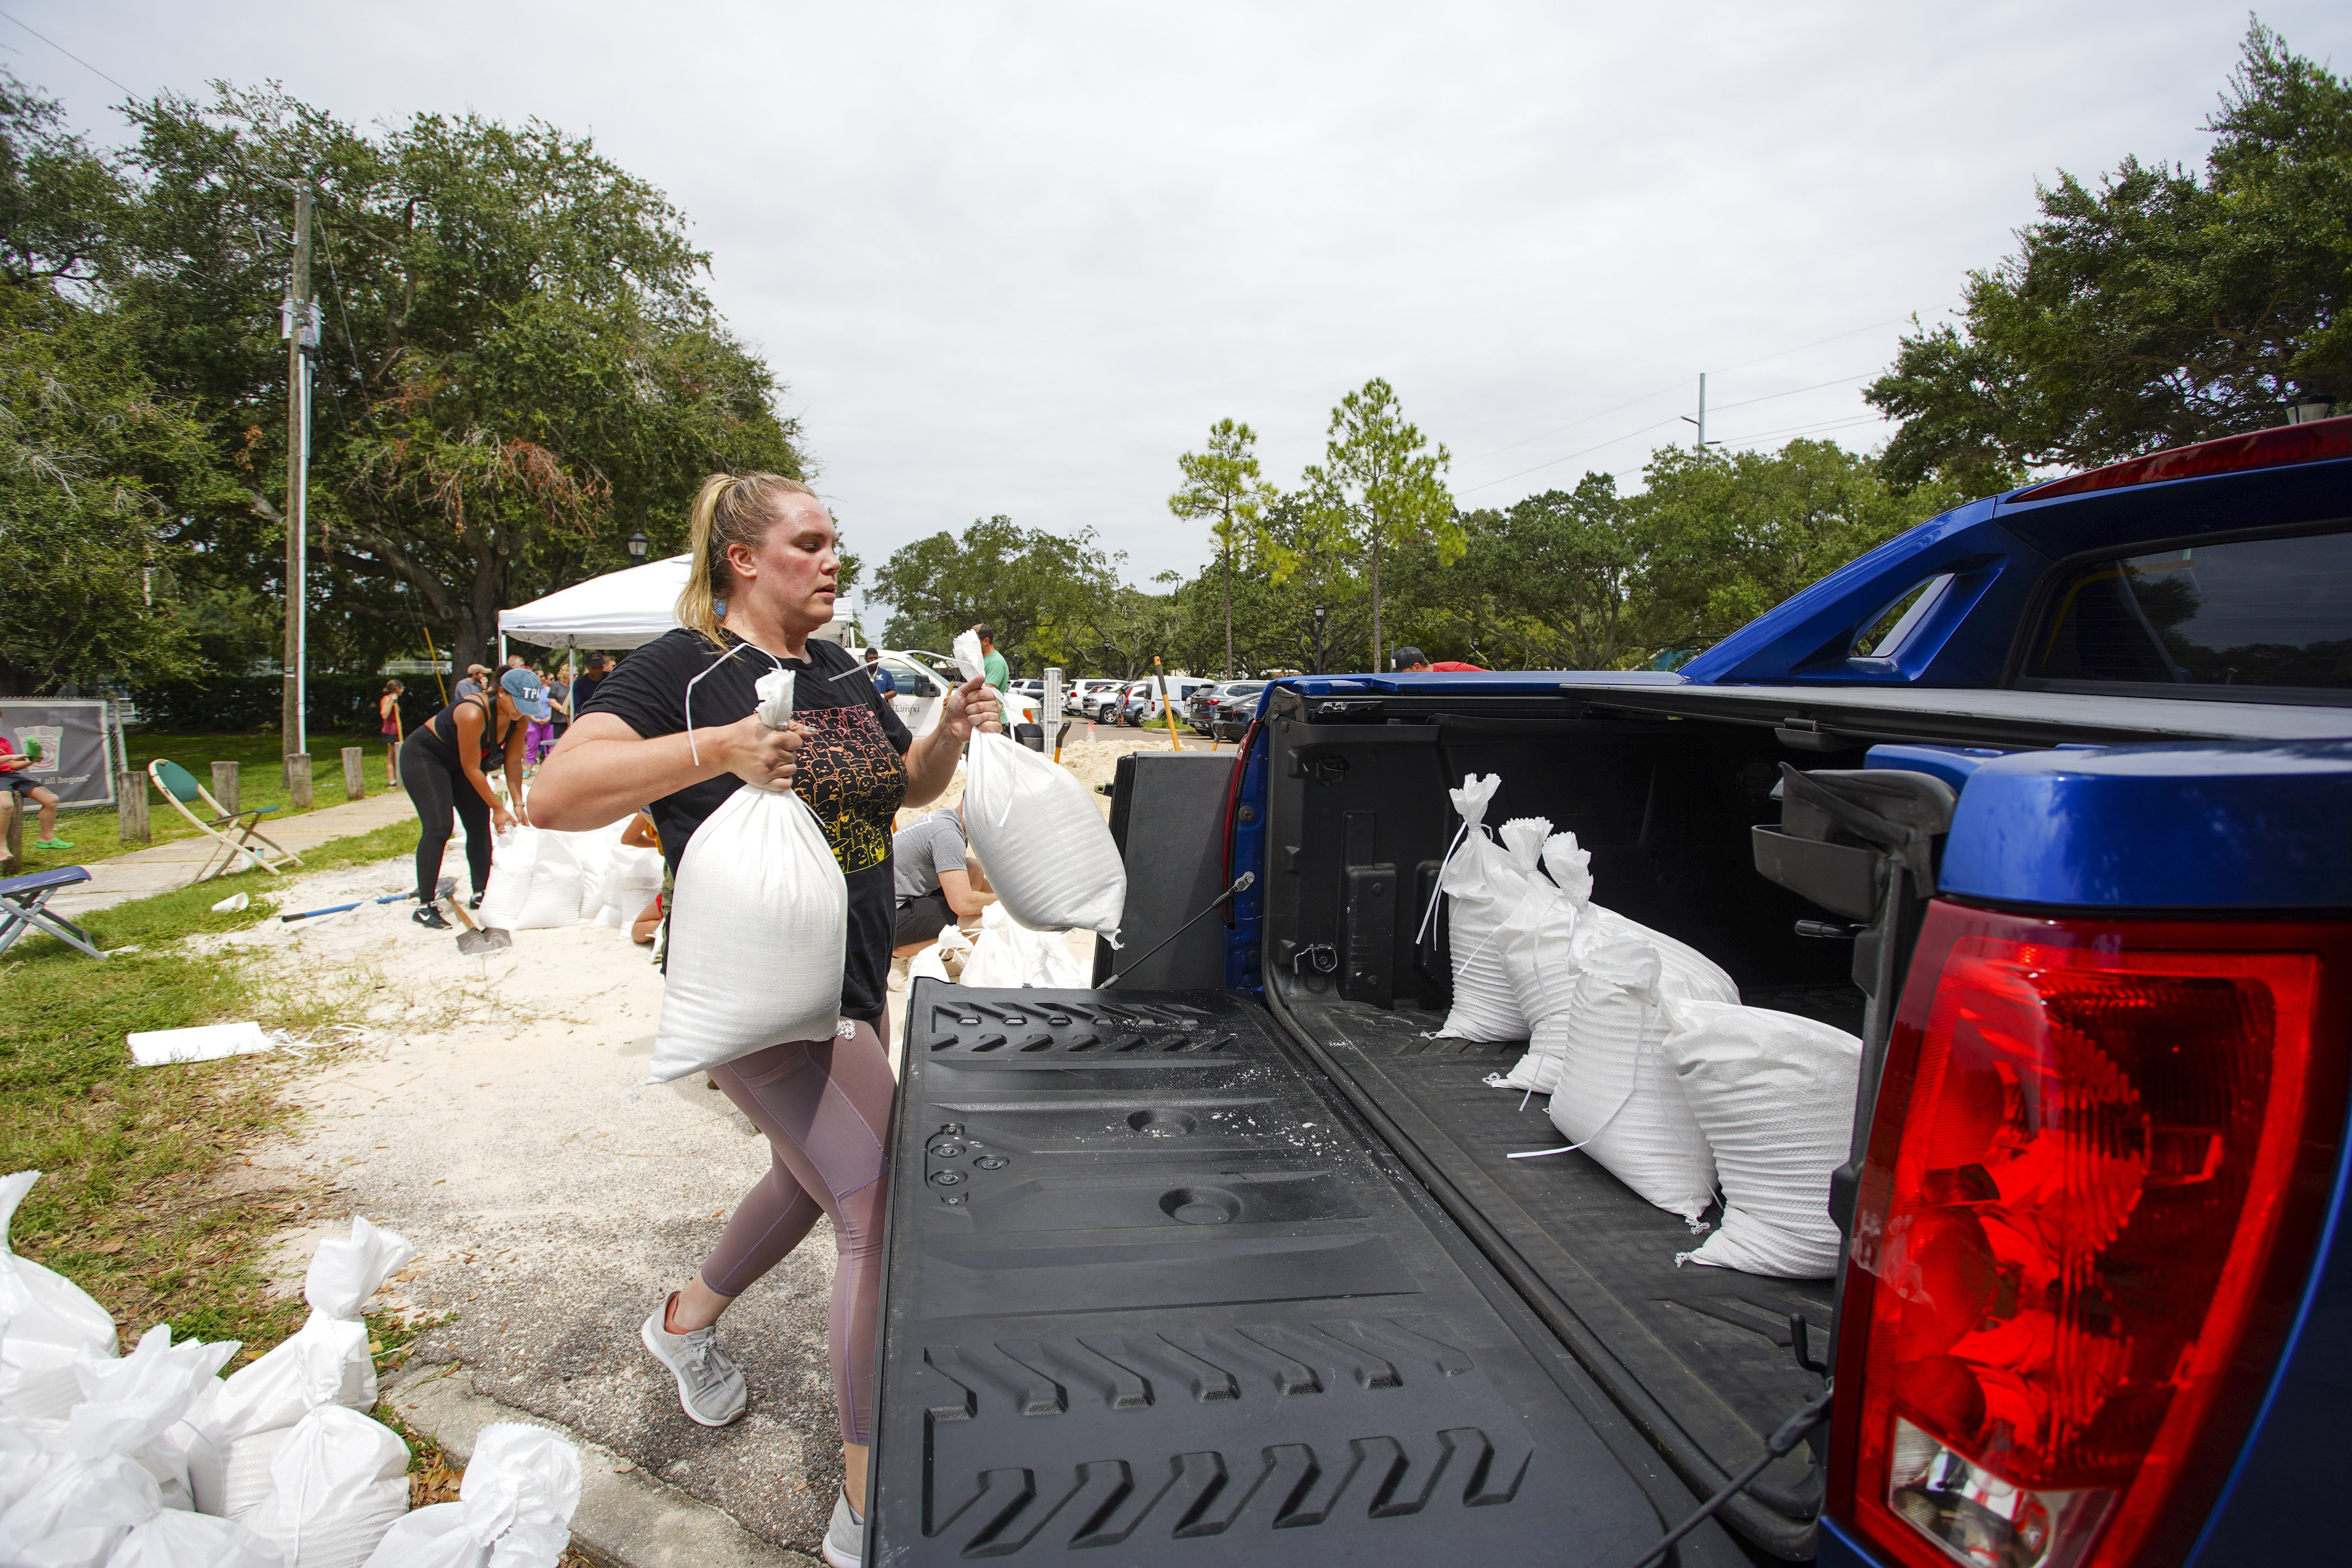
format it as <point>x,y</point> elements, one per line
<point>623,610</point>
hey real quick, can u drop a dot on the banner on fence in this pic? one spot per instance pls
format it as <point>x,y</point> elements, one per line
<point>71,738</point>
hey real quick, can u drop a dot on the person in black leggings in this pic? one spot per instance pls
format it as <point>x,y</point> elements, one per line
<point>441,766</point>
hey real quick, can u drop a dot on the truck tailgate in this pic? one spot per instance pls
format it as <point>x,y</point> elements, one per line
<point>1152,1287</point>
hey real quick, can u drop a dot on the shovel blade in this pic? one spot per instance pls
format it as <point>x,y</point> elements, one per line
<point>473,943</point>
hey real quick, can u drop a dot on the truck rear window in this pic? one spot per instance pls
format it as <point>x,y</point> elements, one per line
<point>2254,613</point>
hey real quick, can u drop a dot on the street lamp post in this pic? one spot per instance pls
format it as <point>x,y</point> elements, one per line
<point>1319,639</point>
<point>637,547</point>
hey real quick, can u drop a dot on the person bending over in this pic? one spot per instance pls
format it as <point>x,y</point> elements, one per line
<point>444,766</point>
<point>938,884</point>
<point>765,546</point>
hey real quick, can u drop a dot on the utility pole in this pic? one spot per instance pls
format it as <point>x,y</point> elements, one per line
<point>1701,420</point>
<point>300,336</point>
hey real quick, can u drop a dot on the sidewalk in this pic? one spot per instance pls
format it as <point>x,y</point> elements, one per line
<point>173,865</point>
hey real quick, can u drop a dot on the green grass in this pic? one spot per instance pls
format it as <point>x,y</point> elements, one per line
<point>94,831</point>
<point>138,1205</point>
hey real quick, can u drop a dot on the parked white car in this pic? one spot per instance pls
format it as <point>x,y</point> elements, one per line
<point>923,685</point>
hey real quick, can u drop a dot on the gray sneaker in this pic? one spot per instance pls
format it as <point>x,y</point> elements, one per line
<point>845,1538</point>
<point>710,1386</point>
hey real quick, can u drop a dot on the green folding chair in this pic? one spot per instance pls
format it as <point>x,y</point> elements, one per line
<point>180,787</point>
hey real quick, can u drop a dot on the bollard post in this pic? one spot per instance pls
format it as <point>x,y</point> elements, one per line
<point>224,786</point>
<point>298,780</point>
<point>130,808</point>
<point>355,773</point>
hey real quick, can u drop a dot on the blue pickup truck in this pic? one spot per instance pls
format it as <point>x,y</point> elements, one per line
<point>2049,801</point>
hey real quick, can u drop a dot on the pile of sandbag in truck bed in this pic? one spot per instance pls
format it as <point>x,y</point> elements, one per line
<point>1652,1067</point>
<point>154,1460</point>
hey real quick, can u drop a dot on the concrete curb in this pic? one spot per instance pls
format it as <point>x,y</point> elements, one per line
<point>626,1517</point>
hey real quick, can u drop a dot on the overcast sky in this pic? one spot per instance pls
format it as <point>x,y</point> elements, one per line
<point>1016,257</point>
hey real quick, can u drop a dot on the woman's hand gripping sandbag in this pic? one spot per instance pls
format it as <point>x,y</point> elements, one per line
<point>1049,854</point>
<point>757,880</point>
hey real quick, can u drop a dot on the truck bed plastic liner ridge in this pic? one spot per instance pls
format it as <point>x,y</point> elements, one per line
<point>1152,1288</point>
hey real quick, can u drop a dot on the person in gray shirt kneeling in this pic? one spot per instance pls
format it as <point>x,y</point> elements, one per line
<point>937,883</point>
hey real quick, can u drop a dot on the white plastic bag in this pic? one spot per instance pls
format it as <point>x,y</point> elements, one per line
<point>1774,1093</point>
<point>1617,1098</point>
<point>244,1419</point>
<point>50,1320</point>
<point>336,1485</point>
<point>513,1510</point>
<point>1009,953</point>
<point>760,925</point>
<point>1048,851</point>
<point>1480,883</point>
<point>534,881</point>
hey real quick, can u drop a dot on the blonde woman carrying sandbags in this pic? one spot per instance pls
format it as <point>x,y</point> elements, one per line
<point>679,724</point>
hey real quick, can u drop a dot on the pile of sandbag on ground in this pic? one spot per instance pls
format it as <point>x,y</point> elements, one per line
<point>1007,952</point>
<point>1049,854</point>
<point>153,1460</point>
<point>1655,1069</point>
<point>540,878</point>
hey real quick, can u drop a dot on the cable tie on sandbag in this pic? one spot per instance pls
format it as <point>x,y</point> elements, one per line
<point>1649,1010</point>
<point>691,748</point>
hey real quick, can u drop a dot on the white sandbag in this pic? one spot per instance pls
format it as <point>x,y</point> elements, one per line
<point>325,1362</point>
<point>535,881</point>
<point>50,1320</point>
<point>1774,1093</point>
<point>514,1508</point>
<point>172,1538</point>
<point>1478,883</point>
<point>632,879</point>
<point>75,1510</point>
<point>1616,1098</point>
<point>336,1485</point>
<point>931,963</point>
<point>758,928</point>
<point>130,1393</point>
<point>1048,851</point>
<point>1008,954</point>
<point>82,1488</point>
<point>1535,935</point>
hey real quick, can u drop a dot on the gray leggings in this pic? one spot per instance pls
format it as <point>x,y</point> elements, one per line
<point>825,1108</point>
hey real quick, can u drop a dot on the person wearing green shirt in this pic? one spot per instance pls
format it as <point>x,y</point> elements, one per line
<point>992,667</point>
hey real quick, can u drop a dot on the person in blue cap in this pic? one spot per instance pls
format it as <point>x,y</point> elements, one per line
<point>522,683</point>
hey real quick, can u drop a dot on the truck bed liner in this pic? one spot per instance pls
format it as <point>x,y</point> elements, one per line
<point>1152,1287</point>
<point>1705,1354</point>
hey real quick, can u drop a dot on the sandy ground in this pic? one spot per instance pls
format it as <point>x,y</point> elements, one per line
<point>491,1109</point>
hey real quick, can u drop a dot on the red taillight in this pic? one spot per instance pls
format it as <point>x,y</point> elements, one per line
<point>2092,1140</point>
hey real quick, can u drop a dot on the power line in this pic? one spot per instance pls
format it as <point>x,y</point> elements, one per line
<point>1808,429</point>
<point>1776,353</point>
<point>68,54</point>
<point>1628,435</point>
<point>1793,391</point>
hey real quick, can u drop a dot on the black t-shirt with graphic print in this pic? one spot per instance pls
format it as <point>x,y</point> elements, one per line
<point>852,771</point>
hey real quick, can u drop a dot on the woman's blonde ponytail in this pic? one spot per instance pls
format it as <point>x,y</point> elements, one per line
<point>729,509</point>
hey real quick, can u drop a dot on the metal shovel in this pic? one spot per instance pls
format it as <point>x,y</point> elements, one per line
<point>476,939</point>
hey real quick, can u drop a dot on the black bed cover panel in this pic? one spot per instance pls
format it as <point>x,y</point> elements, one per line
<point>1154,1297</point>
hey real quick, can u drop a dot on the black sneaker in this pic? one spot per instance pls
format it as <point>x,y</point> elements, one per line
<point>431,919</point>
<point>475,903</point>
